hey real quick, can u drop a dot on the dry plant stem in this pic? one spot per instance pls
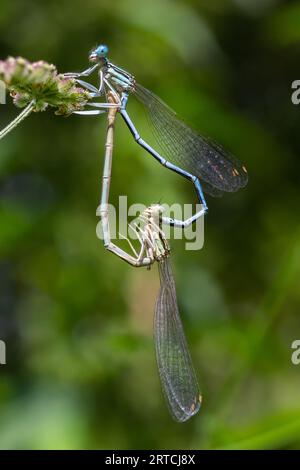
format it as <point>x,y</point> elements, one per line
<point>17,120</point>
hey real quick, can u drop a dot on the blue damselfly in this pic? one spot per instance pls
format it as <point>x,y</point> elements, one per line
<point>184,150</point>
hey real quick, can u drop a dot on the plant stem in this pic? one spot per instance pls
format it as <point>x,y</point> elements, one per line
<point>17,120</point>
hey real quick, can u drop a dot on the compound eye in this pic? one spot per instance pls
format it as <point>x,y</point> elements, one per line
<point>102,50</point>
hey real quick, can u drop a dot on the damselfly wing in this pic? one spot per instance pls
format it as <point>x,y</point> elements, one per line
<point>176,371</point>
<point>185,147</point>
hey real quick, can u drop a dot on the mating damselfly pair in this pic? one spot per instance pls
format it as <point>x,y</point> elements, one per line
<point>184,150</point>
<point>190,155</point>
<point>176,372</point>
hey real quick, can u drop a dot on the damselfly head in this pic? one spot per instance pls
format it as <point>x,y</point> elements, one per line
<point>100,52</point>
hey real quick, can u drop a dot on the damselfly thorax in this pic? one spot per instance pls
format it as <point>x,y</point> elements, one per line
<point>153,237</point>
<point>121,80</point>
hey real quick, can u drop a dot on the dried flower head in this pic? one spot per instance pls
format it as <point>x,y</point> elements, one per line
<point>39,82</point>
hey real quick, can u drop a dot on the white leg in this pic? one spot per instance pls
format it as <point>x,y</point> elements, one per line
<point>104,105</point>
<point>87,85</point>
<point>89,113</point>
<point>96,92</point>
<point>114,92</point>
<point>85,73</point>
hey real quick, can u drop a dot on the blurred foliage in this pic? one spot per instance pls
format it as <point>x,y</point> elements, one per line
<point>77,321</point>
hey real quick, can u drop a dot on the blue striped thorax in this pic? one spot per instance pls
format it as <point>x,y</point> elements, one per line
<point>122,80</point>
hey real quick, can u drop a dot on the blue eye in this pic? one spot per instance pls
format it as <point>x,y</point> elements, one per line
<point>102,50</point>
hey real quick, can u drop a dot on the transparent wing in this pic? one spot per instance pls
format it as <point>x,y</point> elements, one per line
<point>177,375</point>
<point>188,149</point>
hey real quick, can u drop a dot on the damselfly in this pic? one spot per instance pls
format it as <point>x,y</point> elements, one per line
<point>184,150</point>
<point>176,372</point>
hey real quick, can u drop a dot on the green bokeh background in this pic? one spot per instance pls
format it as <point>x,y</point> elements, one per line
<point>77,321</point>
